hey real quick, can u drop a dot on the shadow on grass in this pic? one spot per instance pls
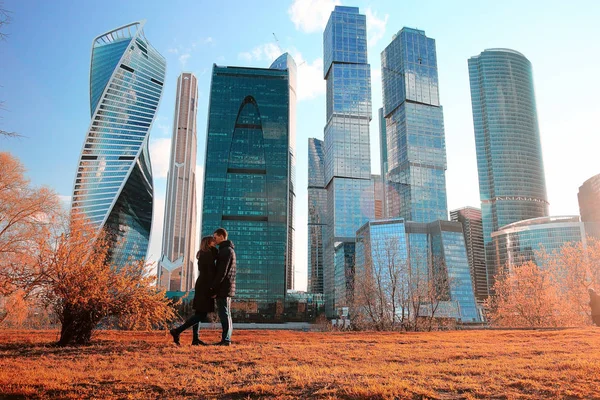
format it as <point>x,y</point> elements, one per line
<point>96,347</point>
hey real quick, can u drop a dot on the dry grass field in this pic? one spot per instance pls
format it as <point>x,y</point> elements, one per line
<point>282,364</point>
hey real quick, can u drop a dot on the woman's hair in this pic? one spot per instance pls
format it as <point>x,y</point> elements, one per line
<point>206,242</point>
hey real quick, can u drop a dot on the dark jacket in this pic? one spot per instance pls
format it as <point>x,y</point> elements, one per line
<point>594,303</point>
<point>206,273</point>
<point>223,284</point>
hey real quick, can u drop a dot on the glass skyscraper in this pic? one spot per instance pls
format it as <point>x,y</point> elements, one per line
<point>247,180</point>
<point>512,185</point>
<point>520,242</point>
<point>317,215</point>
<point>383,162</point>
<point>347,155</point>
<point>470,218</point>
<point>176,265</point>
<point>113,186</point>
<point>589,205</point>
<point>286,62</point>
<point>415,149</point>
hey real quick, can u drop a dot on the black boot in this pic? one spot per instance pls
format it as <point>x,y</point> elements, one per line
<point>175,334</point>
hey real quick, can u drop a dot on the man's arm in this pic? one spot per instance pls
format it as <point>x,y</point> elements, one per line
<point>222,262</point>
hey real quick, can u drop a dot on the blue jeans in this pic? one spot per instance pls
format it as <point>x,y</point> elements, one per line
<point>224,311</point>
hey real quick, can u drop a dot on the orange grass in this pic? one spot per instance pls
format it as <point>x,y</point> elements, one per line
<point>283,364</point>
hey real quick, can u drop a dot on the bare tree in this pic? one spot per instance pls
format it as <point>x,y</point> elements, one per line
<point>4,20</point>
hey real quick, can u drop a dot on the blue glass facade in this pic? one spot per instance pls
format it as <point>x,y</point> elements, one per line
<point>317,210</point>
<point>113,186</point>
<point>347,156</point>
<point>449,257</point>
<point>512,185</point>
<point>286,62</point>
<point>415,143</point>
<point>421,249</point>
<point>247,179</point>
<point>520,242</point>
<point>343,275</point>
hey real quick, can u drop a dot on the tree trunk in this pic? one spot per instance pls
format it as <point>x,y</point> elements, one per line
<point>77,327</point>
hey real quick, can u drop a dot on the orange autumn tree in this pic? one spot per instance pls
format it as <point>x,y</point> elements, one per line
<point>78,282</point>
<point>553,295</point>
<point>25,216</point>
<point>575,269</point>
<point>526,296</point>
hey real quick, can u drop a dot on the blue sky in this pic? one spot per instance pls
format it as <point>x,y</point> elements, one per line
<point>44,79</point>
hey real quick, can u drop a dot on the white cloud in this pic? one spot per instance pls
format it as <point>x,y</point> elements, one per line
<point>264,52</point>
<point>209,40</point>
<point>160,152</point>
<point>311,15</point>
<point>183,59</point>
<point>310,77</point>
<point>375,26</point>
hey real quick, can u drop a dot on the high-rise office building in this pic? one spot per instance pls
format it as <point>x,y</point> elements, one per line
<point>286,62</point>
<point>317,215</point>
<point>113,186</point>
<point>247,180</point>
<point>347,153</point>
<point>416,150</point>
<point>589,205</point>
<point>512,185</point>
<point>384,162</point>
<point>176,265</point>
<point>522,241</point>
<point>470,218</point>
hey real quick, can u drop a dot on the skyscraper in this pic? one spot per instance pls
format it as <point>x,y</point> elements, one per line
<point>589,205</point>
<point>113,186</point>
<point>470,218</point>
<point>347,153</point>
<point>383,163</point>
<point>317,214</point>
<point>286,62</point>
<point>176,265</point>
<point>512,185</point>
<point>247,180</point>
<point>416,150</point>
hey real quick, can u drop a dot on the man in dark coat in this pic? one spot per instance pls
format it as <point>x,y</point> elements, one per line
<point>595,306</point>
<point>223,285</point>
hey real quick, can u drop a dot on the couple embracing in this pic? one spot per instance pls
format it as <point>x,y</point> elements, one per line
<point>216,281</point>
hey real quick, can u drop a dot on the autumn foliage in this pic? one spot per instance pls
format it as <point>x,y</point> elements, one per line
<point>553,292</point>
<point>62,264</point>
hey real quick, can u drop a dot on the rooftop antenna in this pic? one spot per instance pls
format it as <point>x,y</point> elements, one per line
<point>277,43</point>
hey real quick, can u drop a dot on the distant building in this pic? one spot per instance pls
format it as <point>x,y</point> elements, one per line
<point>378,196</point>
<point>414,132</point>
<point>248,180</point>
<point>113,186</point>
<point>519,242</point>
<point>317,215</point>
<point>470,218</point>
<point>418,248</point>
<point>384,161</point>
<point>512,185</point>
<point>347,141</point>
<point>589,205</point>
<point>176,265</point>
